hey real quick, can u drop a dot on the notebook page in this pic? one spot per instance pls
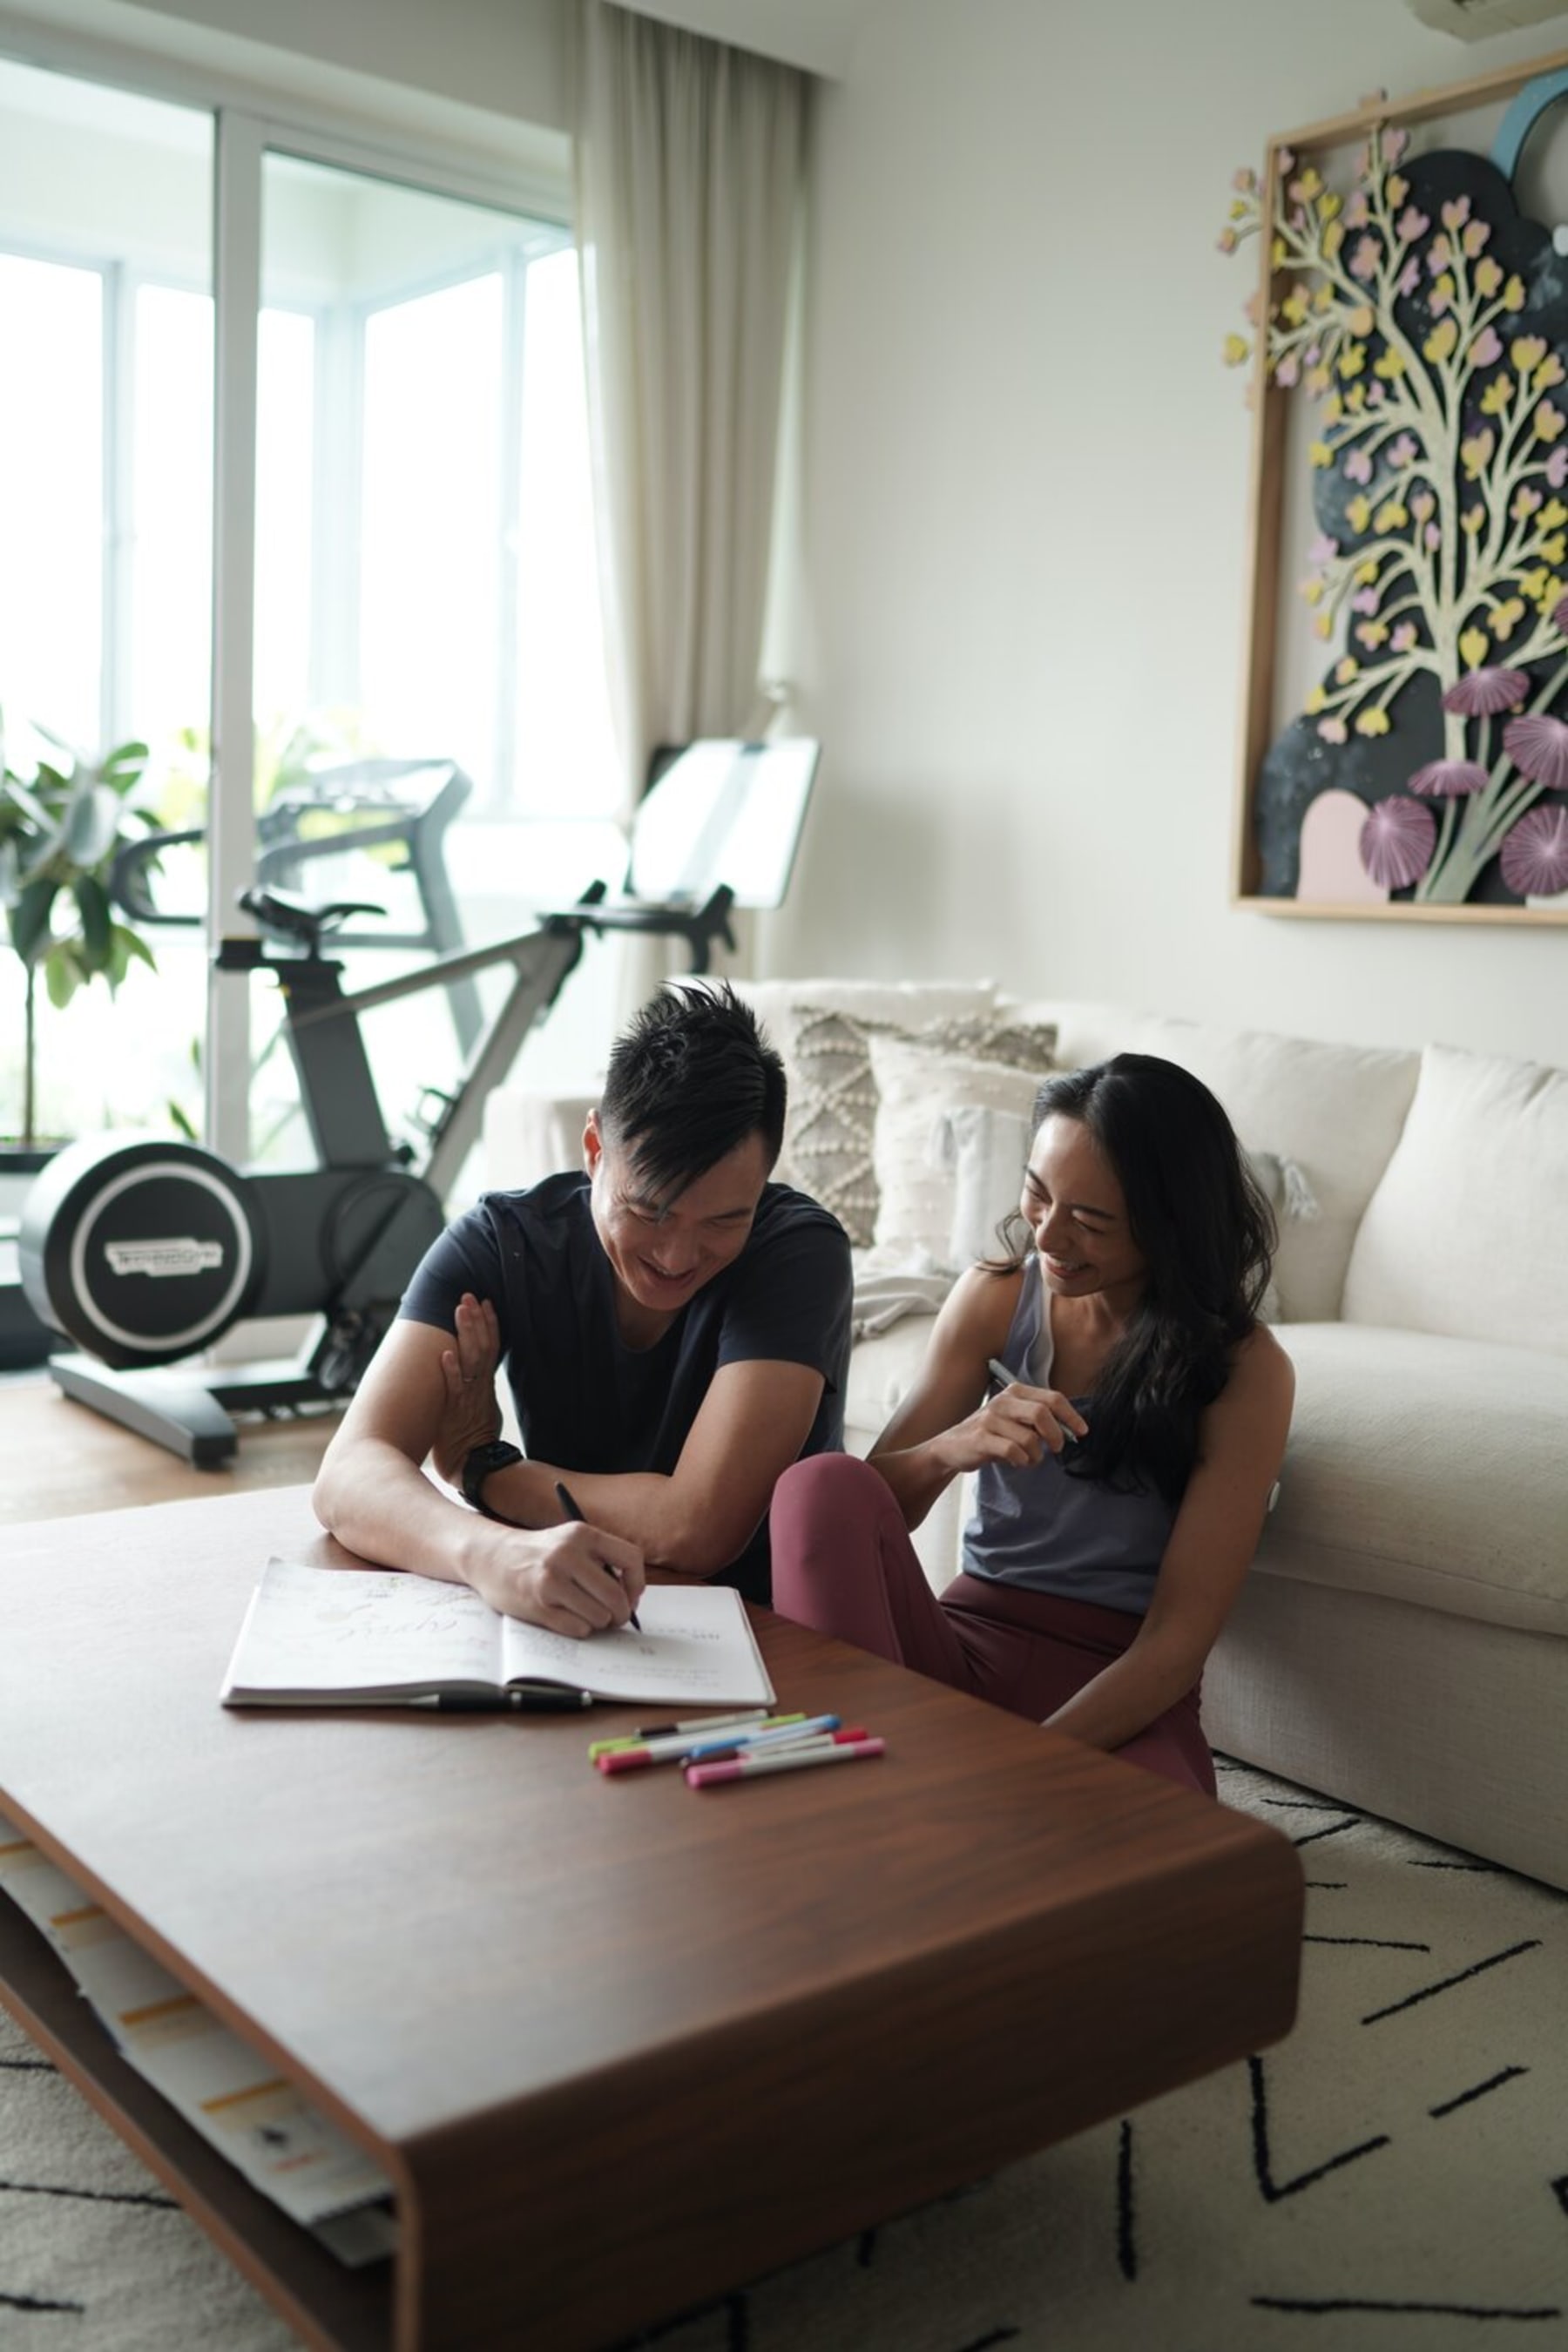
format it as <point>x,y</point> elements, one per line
<point>696,1646</point>
<point>329,1629</point>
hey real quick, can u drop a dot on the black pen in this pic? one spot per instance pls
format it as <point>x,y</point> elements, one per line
<point>564,1497</point>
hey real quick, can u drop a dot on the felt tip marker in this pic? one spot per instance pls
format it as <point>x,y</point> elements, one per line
<point>799,1759</point>
<point>638,1760</point>
<point>564,1497</point>
<point>753,1717</point>
<point>749,1740</point>
<point>998,1371</point>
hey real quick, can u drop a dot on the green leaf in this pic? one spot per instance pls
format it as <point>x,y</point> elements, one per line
<point>123,765</point>
<point>97,920</point>
<point>41,817</point>
<point>62,977</point>
<point>30,919</point>
<point>92,824</point>
<point>134,945</point>
<point>179,1120</point>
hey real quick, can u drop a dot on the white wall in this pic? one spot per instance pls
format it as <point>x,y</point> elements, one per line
<point>1020,622</point>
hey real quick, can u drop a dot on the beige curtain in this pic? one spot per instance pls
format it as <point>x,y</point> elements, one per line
<point>688,165</point>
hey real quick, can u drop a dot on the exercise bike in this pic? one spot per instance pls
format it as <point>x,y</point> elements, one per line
<point>145,1251</point>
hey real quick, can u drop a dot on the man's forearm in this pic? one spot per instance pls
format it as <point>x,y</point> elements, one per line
<point>379,1504</point>
<point>653,1512</point>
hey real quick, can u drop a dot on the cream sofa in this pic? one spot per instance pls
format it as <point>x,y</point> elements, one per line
<point>1401,1641</point>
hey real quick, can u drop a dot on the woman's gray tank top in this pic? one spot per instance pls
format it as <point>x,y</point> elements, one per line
<point>1051,1533</point>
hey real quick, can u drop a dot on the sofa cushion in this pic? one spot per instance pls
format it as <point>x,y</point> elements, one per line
<point>1335,1110</point>
<point>919,1091</point>
<point>816,1026</point>
<point>1467,1233</point>
<point>1427,1469</point>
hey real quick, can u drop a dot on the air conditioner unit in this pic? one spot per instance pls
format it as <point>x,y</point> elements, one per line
<point>1477,20</point>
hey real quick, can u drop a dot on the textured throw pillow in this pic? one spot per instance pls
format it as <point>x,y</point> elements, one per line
<point>920,1086</point>
<point>819,1026</point>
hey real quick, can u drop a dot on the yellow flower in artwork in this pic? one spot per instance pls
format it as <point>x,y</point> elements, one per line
<point>1549,372</point>
<point>1333,409</point>
<point>1392,514</point>
<point>1371,633</point>
<point>1552,515</point>
<point>1315,698</point>
<point>1513,293</point>
<point>1550,594</point>
<point>1352,358</point>
<point>1439,344</point>
<point>1390,366</point>
<point>1488,276</point>
<point>1548,421</point>
<point>1323,299</point>
<point>1372,722</point>
<point>1309,185</point>
<point>1355,399</point>
<point>1443,291</point>
<point>1320,453</point>
<point>1365,574</point>
<point>1535,583</point>
<point>1497,396</point>
<point>1313,591</point>
<point>1475,453</point>
<point>1317,380</point>
<point>1333,237</point>
<point>1235,349</point>
<point>1474,647</point>
<point>1277,254</point>
<point>1555,549</point>
<point>1346,669</point>
<point>1331,204</point>
<point>1293,309</point>
<point>1360,321</point>
<point>1507,617</point>
<point>1398,189</point>
<point>1527,351</point>
<point>1358,514</point>
<point>1472,519</point>
<point>1323,626</point>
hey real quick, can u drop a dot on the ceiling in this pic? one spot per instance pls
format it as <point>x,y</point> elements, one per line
<point>819,35</point>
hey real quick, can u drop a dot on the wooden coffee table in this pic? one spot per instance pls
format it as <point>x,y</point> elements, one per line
<point>620,2045</point>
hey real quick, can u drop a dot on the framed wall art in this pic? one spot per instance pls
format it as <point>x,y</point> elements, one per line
<point>1404,717</point>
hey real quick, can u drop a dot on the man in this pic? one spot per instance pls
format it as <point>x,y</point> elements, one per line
<point>674,1327</point>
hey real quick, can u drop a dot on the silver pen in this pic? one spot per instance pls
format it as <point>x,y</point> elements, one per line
<point>998,1371</point>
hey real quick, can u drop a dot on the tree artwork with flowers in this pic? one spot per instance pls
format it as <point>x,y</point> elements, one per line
<point>1427,318</point>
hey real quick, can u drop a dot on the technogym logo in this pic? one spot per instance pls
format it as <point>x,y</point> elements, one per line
<point>174,1253</point>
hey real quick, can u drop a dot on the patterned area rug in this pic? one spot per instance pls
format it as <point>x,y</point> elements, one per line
<point>1395,2175</point>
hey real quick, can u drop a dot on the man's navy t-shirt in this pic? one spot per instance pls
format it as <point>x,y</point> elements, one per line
<point>589,1402</point>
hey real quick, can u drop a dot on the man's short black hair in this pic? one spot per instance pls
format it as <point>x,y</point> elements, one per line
<point>690,1078</point>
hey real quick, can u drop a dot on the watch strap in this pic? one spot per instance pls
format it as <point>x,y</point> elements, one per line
<point>482,1462</point>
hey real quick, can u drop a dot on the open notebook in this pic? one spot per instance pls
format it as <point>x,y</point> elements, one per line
<point>367,1637</point>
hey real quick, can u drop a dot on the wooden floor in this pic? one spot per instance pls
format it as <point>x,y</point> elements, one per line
<point>59,1459</point>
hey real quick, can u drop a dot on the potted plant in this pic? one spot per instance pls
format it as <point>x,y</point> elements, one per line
<point>61,824</point>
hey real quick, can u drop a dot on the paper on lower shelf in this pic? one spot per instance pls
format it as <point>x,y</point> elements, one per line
<point>225,2090</point>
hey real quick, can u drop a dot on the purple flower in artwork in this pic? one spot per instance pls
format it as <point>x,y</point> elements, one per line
<point>1487,349</point>
<point>1334,730</point>
<point>1323,549</point>
<point>1364,259</point>
<point>1535,853</point>
<point>1366,599</point>
<point>1394,144</point>
<point>1538,746</point>
<point>1557,465</point>
<point>1446,780</point>
<point>1358,466</point>
<point>1413,226</point>
<point>1433,536</point>
<point>1410,277</point>
<point>1402,641</point>
<point>1483,693</point>
<point>1560,615</point>
<point>1396,842</point>
<point>1356,210</point>
<point>1402,451</point>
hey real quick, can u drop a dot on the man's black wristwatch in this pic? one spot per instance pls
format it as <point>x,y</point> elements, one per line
<point>481,1461</point>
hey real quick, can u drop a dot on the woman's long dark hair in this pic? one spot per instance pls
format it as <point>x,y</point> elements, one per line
<point>1207,1235</point>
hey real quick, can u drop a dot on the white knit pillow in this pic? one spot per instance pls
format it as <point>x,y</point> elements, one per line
<point>918,1089</point>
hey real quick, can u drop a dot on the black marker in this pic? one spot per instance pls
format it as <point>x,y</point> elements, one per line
<point>569,1508</point>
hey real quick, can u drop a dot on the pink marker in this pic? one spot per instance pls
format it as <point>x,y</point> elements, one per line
<point>796,1759</point>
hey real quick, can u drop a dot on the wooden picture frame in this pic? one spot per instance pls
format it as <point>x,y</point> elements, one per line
<point>1291,153</point>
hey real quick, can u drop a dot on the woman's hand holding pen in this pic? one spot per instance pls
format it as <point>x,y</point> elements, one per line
<point>470,1413</point>
<point>1017,1425</point>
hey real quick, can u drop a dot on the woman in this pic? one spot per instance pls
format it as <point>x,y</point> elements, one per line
<point>1125,1461</point>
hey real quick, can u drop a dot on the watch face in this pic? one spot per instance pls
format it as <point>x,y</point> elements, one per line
<point>481,1461</point>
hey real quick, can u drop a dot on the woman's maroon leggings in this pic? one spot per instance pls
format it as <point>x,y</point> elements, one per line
<point>843,1563</point>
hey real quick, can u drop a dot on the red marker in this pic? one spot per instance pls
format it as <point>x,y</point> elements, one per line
<point>637,1759</point>
<point>789,1759</point>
